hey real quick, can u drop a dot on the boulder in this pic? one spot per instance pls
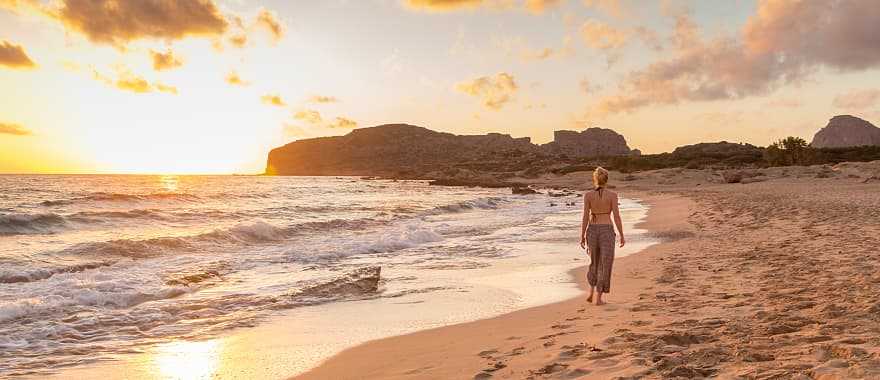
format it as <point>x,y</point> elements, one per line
<point>732,176</point>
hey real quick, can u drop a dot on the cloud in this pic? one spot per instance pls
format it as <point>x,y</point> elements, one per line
<point>273,99</point>
<point>117,22</point>
<point>133,83</point>
<point>309,116</point>
<point>342,122</point>
<point>322,99</point>
<point>784,42</point>
<point>238,40</point>
<point>493,91</point>
<point>601,36</point>
<point>14,129</point>
<point>314,118</point>
<point>269,21</point>
<point>539,6</point>
<point>234,79</point>
<point>166,88</point>
<point>518,47</point>
<point>127,81</point>
<point>442,5</point>
<point>533,6</point>
<point>13,56</point>
<point>165,61</point>
<point>858,99</point>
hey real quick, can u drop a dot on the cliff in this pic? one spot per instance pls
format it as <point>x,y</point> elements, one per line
<point>592,142</point>
<point>410,151</point>
<point>391,149</point>
<point>846,131</point>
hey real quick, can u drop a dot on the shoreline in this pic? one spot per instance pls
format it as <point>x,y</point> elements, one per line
<point>481,349</point>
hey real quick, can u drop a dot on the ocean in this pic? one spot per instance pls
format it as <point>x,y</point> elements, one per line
<point>96,268</point>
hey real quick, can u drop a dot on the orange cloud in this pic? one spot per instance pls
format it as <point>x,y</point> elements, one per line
<point>342,122</point>
<point>534,6</point>
<point>238,40</point>
<point>322,99</point>
<point>494,91</point>
<point>858,99</point>
<point>166,88</point>
<point>165,61</point>
<point>130,82</point>
<point>273,99</point>
<point>442,5</point>
<point>309,116</point>
<point>784,42</point>
<point>269,21</point>
<point>235,80</point>
<point>539,6</point>
<point>14,129</point>
<point>13,56</point>
<point>599,35</point>
<point>117,22</point>
<point>127,81</point>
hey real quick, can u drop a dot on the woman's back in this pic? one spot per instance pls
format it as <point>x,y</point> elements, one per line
<point>600,203</point>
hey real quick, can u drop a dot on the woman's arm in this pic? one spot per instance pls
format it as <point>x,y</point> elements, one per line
<point>585,222</point>
<point>616,209</point>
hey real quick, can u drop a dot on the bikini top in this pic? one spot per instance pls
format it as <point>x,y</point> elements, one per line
<point>598,189</point>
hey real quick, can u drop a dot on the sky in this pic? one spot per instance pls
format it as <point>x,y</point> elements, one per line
<point>210,86</point>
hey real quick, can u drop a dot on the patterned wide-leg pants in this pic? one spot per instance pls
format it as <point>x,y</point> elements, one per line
<point>600,241</point>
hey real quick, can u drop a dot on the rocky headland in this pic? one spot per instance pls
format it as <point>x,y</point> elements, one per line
<point>404,151</point>
<point>846,131</point>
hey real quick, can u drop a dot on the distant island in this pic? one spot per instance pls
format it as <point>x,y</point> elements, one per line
<point>411,152</point>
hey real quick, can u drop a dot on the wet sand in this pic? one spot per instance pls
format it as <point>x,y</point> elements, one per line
<point>776,278</point>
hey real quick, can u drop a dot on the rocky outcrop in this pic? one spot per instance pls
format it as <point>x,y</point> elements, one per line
<point>592,142</point>
<point>391,149</point>
<point>846,131</point>
<point>403,150</point>
<point>719,149</point>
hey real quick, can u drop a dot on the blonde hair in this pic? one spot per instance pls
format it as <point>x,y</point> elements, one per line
<point>600,177</point>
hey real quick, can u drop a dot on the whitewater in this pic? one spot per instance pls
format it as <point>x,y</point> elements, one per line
<point>96,267</point>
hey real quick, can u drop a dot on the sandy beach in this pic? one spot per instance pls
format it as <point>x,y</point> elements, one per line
<point>774,278</point>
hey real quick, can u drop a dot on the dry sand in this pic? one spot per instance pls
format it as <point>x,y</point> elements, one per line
<point>778,278</point>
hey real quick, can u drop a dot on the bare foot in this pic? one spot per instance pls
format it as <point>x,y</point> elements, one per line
<point>590,299</point>
<point>599,302</point>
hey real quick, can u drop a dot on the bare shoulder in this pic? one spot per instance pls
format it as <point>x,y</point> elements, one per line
<point>613,194</point>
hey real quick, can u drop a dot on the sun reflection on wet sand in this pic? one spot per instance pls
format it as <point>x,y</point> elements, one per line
<point>187,360</point>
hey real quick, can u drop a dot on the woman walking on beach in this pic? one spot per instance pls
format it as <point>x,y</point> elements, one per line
<point>597,233</point>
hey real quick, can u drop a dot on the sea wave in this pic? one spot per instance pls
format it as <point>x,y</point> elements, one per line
<point>485,203</point>
<point>13,275</point>
<point>251,233</point>
<point>20,224</point>
<point>122,197</point>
